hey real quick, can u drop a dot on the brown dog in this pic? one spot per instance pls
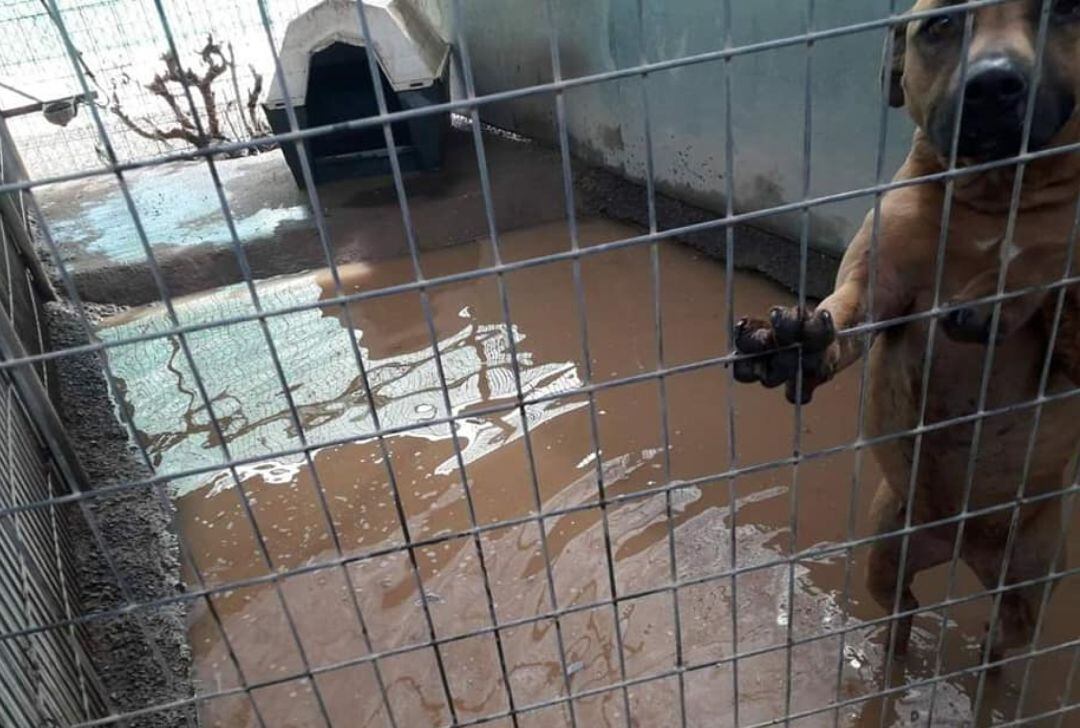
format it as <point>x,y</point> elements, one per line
<point>927,76</point>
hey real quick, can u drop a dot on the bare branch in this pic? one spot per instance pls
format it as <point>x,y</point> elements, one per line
<point>236,92</point>
<point>153,132</point>
<point>159,88</point>
<point>258,127</point>
<point>205,84</point>
<point>178,80</point>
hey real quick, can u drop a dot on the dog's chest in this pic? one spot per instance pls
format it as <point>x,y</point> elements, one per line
<point>957,369</point>
<point>954,394</point>
<point>977,243</point>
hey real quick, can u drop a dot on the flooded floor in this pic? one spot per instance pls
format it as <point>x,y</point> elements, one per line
<point>350,481</point>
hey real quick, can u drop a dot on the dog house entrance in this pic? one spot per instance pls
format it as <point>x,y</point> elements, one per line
<point>340,89</point>
<point>324,79</point>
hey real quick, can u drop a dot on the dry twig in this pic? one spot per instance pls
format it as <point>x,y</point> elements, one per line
<point>178,81</point>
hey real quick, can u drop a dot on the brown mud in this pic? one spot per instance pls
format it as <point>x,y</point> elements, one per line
<point>475,351</point>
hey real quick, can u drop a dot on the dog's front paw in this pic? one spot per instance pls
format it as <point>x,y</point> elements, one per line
<point>772,350</point>
<point>972,325</point>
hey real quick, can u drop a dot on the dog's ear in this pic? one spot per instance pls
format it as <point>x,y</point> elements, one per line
<point>892,70</point>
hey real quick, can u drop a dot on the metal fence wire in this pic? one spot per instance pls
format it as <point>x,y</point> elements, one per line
<point>47,678</point>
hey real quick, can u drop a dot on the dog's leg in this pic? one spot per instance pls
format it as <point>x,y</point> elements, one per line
<point>1031,560</point>
<point>776,344</point>
<point>972,323</point>
<point>925,549</point>
<point>1031,267</point>
<point>1067,346</point>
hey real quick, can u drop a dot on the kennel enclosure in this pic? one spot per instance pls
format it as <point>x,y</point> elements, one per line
<point>618,539</point>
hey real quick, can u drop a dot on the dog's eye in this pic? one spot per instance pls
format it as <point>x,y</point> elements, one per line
<point>941,26</point>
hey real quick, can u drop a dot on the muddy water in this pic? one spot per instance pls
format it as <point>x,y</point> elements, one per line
<point>350,481</point>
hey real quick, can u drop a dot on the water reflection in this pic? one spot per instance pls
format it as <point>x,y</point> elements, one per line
<point>324,381</point>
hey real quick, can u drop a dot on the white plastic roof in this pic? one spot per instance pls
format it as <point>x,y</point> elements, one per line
<point>410,52</point>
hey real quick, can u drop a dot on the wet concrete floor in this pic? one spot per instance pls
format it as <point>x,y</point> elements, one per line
<point>181,217</point>
<point>287,497</point>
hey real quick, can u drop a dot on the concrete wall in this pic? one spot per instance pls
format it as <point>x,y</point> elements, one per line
<point>508,40</point>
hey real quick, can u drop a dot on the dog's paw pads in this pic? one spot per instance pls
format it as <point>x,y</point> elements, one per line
<point>774,346</point>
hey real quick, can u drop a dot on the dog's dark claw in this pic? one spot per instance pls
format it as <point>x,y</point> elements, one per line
<point>970,325</point>
<point>753,337</point>
<point>957,325</point>
<point>819,331</point>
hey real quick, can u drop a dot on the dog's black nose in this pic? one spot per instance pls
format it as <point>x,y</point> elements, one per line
<point>993,97</point>
<point>996,84</point>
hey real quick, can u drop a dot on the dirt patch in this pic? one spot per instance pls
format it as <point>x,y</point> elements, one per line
<point>136,527</point>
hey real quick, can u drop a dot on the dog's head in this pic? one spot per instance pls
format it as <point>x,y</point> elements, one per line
<point>927,74</point>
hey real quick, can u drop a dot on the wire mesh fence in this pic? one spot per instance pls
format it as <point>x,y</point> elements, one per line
<point>121,45</point>
<point>401,659</point>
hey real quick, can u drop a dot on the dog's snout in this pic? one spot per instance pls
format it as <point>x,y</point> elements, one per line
<point>993,97</point>
<point>996,84</point>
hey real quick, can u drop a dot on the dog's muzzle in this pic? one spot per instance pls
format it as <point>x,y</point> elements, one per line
<point>995,104</point>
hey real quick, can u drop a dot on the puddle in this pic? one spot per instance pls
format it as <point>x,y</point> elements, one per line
<point>178,206</point>
<point>320,367</point>
<point>238,371</point>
